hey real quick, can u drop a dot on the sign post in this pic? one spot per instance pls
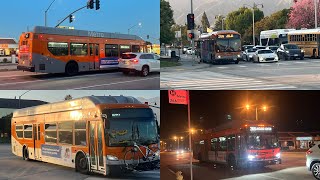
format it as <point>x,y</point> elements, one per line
<point>183,97</point>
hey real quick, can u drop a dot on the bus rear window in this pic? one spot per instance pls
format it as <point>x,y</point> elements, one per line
<point>128,56</point>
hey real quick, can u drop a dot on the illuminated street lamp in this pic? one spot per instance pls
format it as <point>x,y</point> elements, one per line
<point>139,24</point>
<point>177,138</point>
<point>264,108</point>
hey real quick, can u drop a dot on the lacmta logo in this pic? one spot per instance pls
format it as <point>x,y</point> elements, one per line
<point>95,34</point>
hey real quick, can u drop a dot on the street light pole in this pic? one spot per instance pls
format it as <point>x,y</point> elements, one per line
<point>253,7</point>
<point>190,133</point>
<point>192,42</point>
<point>256,113</point>
<point>133,27</point>
<point>21,96</point>
<point>45,14</point>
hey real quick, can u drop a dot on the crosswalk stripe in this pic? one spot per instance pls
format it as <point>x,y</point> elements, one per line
<point>216,81</point>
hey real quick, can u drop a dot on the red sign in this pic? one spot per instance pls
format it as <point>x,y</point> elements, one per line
<point>178,96</point>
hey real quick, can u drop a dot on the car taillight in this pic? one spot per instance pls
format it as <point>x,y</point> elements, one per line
<point>134,60</point>
<point>309,152</point>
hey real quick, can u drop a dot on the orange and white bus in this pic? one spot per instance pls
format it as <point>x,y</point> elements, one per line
<point>56,50</point>
<point>239,144</point>
<point>101,134</point>
<point>220,46</point>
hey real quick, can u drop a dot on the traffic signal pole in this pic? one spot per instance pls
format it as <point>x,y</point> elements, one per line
<point>69,15</point>
<point>193,57</point>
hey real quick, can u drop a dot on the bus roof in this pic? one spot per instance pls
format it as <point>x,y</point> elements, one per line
<point>274,32</point>
<point>304,31</point>
<point>84,33</point>
<point>207,35</point>
<point>238,124</point>
<point>75,104</point>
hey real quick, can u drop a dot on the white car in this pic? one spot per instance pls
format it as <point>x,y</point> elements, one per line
<point>265,55</point>
<point>143,63</point>
<point>189,51</point>
<point>247,55</point>
<point>260,47</point>
<point>313,160</point>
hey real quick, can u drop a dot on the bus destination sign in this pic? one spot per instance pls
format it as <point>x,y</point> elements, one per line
<point>260,129</point>
<point>225,36</point>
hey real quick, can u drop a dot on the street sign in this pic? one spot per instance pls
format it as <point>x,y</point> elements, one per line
<point>178,97</point>
<point>178,34</point>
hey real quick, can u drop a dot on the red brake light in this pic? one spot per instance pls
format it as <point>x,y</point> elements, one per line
<point>309,152</point>
<point>134,60</point>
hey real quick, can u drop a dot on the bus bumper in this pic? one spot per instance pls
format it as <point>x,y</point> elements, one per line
<point>265,162</point>
<point>26,68</point>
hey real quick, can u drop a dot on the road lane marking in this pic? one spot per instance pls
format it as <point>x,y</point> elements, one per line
<point>114,83</point>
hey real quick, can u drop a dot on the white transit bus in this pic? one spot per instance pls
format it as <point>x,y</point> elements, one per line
<point>274,37</point>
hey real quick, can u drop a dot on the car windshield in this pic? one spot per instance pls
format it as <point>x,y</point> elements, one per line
<point>124,127</point>
<point>266,51</point>
<point>291,46</point>
<point>128,56</point>
<point>262,141</point>
<point>228,45</point>
<point>252,50</point>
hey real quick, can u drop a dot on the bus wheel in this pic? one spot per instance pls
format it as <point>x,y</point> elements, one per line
<point>72,68</point>
<point>145,71</point>
<point>82,163</point>
<point>25,154</point>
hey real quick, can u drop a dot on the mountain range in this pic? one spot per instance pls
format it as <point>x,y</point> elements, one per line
<point>221,7</point>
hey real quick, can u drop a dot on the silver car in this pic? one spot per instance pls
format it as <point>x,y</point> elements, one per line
<point>247,55</point>
<point>313,160</point>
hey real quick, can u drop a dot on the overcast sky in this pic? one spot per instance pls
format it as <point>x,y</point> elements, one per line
<point>59,95</point>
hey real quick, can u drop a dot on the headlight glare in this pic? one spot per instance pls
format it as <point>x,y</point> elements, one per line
<point>112,158</point>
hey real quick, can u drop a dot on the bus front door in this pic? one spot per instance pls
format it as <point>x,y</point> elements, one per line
<point>96,147</point>
<point>94,56</point>
<point>36,141</point>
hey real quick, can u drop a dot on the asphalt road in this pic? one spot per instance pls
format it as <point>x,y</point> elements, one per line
<point>291,74</point>
<point>13,167</point>
<point>111,80</point>
<point>292,167</point>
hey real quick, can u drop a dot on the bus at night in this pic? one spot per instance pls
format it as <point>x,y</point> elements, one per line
<point>101,134</point>
<point>220,46</point>
<point>239,144</point>
<point>56,50</point>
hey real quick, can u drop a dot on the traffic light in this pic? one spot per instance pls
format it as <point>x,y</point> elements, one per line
<point>147,36</point>
<point>190,21</point>
<point>97,4</point>
<point>70,18</point>
<point>191,35</point>
<point>90,4</point>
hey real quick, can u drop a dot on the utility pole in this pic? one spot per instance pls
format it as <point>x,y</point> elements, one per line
<point>193,50</point>
<point>253,33</point>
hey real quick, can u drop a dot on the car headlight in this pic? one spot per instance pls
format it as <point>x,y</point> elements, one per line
<point>112,158</point>
<point>250,157</point>
<point>157,153</point>
<point>250,56</point>
<point>278,155</point>
<point>287,52</point>
<point>302,50</point>
<point>219,57</point>
<point>181,151</point>
<point>261,58</point>
<point>238,55</point>
<point>178,152</point>
<point>276,58</point>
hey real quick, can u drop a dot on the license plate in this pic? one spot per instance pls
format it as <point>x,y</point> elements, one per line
<point>125,62</point>
<point>296,55</point>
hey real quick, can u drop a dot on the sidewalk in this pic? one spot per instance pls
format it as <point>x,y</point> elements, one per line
<point>8,67</point>
<point>186,64</point>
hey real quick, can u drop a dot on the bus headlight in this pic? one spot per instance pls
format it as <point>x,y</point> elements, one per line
<point>157,153</point>
<point>278,155</point>
<point>112,158</point>
<point>250,157</point>
<point>219,57</point>
<point>239,55</point>
<point>302,50</point>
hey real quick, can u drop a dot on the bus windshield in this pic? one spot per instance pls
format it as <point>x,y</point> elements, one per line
<point>124,127</point>
<point>228,45</point>
<point>262,141</point>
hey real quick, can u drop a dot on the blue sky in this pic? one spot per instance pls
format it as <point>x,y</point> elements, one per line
<point>113,16</point>
<point>58,95</point>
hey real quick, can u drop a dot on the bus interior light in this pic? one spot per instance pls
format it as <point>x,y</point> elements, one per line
<point>278,155</point>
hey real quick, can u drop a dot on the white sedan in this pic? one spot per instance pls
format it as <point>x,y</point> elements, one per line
<point>265,55</point>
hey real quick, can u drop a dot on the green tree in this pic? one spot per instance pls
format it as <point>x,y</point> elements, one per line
<point>241,19</point>
<point>167,35</point>
<point>218,23</point>
<point>205,22</point>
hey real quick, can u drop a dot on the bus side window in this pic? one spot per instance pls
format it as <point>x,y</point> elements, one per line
<point>222,143</point>
<point>65,132</point>
<point>51,133</point>
<point>231,142</point>
<point>80,133</point>
<point>19,131</point>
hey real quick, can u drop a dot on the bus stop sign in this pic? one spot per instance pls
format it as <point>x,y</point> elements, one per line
<point>178,97</point>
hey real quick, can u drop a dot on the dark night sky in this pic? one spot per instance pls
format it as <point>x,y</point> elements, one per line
<point>287,110</point>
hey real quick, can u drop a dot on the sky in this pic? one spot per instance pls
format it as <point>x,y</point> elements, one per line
<point>59,95</point>
<point>287,110</point>
<point>113,16</point>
